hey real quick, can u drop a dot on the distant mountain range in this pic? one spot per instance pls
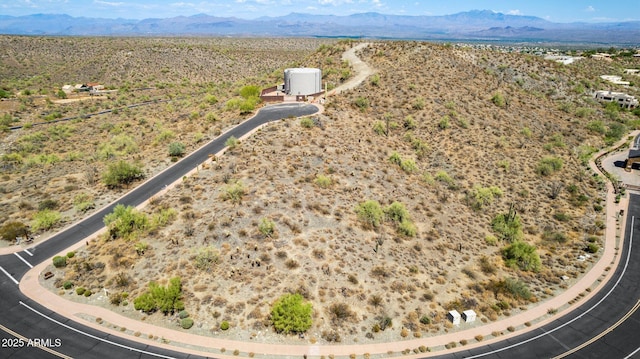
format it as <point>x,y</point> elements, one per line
<point>477,25</point>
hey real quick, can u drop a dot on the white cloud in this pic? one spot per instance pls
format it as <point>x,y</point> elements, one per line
<point>108,3</point>
<point>514,12</point>
<point>590,9</point>
<point>334,2</point>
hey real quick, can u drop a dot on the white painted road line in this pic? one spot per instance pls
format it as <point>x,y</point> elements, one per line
<point>27,252</point>
<point>95,337</point>
<point>9,275</point>
<point>632,354</point>
<point>615,285</point>
<point>22,259</point>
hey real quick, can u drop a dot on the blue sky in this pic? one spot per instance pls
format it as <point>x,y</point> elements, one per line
<point>552,10</point>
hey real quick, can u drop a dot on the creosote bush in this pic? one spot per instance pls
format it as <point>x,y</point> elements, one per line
<point>370,213</point>
<point>122,173</point>
<point>548,165</point>
<point>233,193</point>
<point>291,314</point>
<point>267,227</point>
<point>124,221</point>
<point>478,196</point>
<point>176,149</point>
<point>166,299</point>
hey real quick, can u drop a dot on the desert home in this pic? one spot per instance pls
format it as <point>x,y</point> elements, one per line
<point>616,80</point>
<point>624,100</point>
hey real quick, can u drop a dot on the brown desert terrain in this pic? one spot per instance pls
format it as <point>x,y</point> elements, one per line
<point>470,156</point>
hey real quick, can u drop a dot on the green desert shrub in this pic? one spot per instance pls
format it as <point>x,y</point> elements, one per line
<point>478,196</point>
<point>59,261</point>
<point>370,214</point>
<point>11,230</point>
<point>176,149</point>
<point>548,165</point>
<point>186,323</point>
<point>407,228</point>
<point>124,221</point>
<point>291,314</point>
<point>67,284</point>
<point>233,192</point>
<point>206,258</point>
<point>165,299</point>
<point>80,290</point>
<point>224,325</point>
<point>306,122</point>
<point>267,227</point>
<point>122,173</point>
<point>498,99</point>
<point>232,142</point>
<point>323,181</point>
<point>396,212</point>
<point>592,248</point>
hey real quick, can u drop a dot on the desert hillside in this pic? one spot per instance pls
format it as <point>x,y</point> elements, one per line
<point>453,178</point>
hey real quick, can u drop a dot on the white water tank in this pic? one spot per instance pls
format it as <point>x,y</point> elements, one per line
<point>302,81</point>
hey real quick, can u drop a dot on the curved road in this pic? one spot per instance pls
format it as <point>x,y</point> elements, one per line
<point>605,326</point>
<point>17,317</point>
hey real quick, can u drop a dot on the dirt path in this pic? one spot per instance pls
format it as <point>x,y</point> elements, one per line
<point>361,68</point>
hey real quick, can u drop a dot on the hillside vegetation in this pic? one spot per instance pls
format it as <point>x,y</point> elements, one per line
<point>453,178</point>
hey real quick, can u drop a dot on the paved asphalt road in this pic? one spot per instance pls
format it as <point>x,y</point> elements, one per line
<point>560,337</point>
<point>23,321</point>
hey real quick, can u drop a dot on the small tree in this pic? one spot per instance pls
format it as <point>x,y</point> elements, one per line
<point>522,255</point>
<point>13,229</point>
<point>120,173</point>
<point>45,219</point>
<point>290,314</point>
